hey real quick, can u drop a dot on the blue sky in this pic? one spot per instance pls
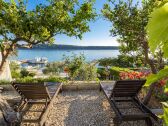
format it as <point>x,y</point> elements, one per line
<point>98,36</point>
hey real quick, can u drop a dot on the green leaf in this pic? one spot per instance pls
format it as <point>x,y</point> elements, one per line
<point>166,88</point>
<point>156,77</point>
<point>165,115</point>
<point>165,103</point>
<point>157,29</point>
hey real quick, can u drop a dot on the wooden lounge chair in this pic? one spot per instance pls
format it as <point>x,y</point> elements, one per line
<point>123,96</point>
<point>36,93</point>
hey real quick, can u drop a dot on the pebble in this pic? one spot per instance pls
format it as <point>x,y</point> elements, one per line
<point>81,108</point>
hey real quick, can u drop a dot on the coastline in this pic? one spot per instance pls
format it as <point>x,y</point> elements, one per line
<point>69,47</point>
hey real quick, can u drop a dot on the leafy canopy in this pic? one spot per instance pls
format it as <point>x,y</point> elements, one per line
<point>158,29</point>
<point>128,23</point>
<point>41,24</point>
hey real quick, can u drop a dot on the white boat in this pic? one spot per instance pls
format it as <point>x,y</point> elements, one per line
<point>38,60</point>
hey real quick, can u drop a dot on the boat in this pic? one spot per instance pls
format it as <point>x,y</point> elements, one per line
<point>38,60</point>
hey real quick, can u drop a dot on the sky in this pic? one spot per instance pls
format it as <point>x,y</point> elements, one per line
<point>99,34</point>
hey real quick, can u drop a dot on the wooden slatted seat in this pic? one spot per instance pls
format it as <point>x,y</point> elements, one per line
<point>124,92</point>
<point>36,93</point>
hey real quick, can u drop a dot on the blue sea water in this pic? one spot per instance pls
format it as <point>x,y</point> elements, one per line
<point>57,55</point>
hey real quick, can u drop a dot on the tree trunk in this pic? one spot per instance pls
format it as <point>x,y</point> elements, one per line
<point>154,71</point>
<point>149,94</point>
<point>2,63</point>
<point>4,54</point>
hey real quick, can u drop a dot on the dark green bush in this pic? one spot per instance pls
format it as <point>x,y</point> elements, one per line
<point>31,74</point>
<point>102,73</point>
<point>111,73</point>
<point>40,80</point>
<point>123,61</point>
<point>24,72</point>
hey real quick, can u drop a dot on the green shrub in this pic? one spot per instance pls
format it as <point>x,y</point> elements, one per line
<point>53,68</point>
<point>123,61</point>
<point>102,73</point>
<point>79,69</point>
<point>115,71</point>
<point>15,70</point>
<point>112,73</point>
<point>54,79</point>
<point>31,74</point>
<point>24,72</point>
<point>40,80</point>
<point>86,72</point>
<point>26,80</point>
<point>73,64</point>
<point>4,82</point>
<point>15,74</point>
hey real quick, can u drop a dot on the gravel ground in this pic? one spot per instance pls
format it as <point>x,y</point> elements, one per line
<point>81,108</point>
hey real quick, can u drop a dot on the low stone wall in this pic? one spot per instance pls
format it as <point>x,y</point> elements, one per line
<point>83,85</point>
<point>75,85</point>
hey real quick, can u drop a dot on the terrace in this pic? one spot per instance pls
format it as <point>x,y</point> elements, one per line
<point>134,73</point>
<point>78,104</point>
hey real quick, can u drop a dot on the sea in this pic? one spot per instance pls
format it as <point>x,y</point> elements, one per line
<point>58,55</point>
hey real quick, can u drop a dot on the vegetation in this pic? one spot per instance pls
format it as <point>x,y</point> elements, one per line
<point>111,73</point>
<point>30,79</point>
<point>18,23</point>
<point>15,70</point>
<point>115,72</point>
<point>4,82</point>
<point>124,61</point>
<point>25,73</point>
<point>141,30</point>
<point>78,69</point>
<point>158,31</point>
<point>40,80</point>
<point>129,21</point>
<point>53,68</point>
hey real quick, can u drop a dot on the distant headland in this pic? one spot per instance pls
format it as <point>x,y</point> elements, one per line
<point>71,47</point>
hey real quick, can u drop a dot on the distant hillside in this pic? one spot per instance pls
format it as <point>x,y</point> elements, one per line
<point>72,47</point>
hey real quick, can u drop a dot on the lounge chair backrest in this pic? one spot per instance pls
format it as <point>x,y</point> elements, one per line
<point>127,88</point>
<point>32,90</point>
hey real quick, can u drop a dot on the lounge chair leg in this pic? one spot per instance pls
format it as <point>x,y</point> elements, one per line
<point>61,89</point>
<point>100,89</point>
<point>149,122</point>
<point>116,121</point>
